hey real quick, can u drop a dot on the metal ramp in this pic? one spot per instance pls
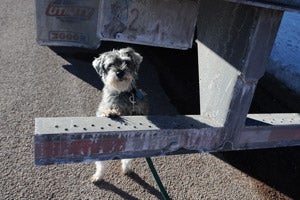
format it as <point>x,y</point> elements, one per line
<point>234,41</point>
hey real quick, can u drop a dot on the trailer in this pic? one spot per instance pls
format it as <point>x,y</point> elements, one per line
<point>234,39</point>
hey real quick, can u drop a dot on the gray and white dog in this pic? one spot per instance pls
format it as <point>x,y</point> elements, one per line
<point>120,96</point>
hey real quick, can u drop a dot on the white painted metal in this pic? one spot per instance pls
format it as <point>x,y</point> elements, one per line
<point>280,119</point>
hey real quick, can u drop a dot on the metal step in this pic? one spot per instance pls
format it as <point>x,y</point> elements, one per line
<point>85,139</point>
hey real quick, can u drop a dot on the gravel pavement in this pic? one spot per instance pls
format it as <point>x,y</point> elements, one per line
<point>36,82</point>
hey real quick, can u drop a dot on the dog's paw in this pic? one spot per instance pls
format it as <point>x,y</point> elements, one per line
<point>126,166</point>
<point>127,171</point>
<point>112,113</point>
<point>96,179</point>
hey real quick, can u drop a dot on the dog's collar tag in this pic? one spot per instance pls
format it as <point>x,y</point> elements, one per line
<point>132,99</point>
<point>133,102</point>
<point>139,94</point>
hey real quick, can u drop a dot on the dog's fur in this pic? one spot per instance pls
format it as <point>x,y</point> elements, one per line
<point>119,71</point>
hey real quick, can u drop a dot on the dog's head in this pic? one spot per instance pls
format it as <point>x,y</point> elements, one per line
<point>118,68</point>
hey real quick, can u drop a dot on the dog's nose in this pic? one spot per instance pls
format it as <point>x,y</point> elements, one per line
<point>120,74</point>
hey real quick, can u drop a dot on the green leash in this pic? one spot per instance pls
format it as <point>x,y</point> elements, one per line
<point>157,179</point>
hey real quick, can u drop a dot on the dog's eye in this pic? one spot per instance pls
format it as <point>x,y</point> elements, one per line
<point>127,62</point>
<point>109,66</point>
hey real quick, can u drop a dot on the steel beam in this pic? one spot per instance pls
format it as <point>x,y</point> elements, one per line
<point>234,43</point>
<point>291,5</point>
<point>71,140</point>
<point>63,140</point>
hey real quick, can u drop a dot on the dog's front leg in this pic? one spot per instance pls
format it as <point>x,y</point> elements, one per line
<point>100,171</point>
<point>126,166</point>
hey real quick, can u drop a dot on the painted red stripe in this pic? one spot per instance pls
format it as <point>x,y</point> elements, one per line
<point>60,149</point>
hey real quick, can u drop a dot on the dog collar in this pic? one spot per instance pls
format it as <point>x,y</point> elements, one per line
<point>136,94</point>
<point>139,94</point>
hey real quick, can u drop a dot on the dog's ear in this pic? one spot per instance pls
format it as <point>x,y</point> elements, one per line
<point>136,57</point>
<point>98,64</point>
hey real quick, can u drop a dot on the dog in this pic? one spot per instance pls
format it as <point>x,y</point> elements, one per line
<point>118,70</point>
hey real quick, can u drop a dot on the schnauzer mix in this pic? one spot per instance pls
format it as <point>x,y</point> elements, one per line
<point>118,70</point>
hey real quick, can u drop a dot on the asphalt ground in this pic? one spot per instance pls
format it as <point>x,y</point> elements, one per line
<point>39,81</point>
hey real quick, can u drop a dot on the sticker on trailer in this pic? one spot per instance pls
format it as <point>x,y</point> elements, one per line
<point>67,23</point>
<point>70,10</point>
<point>68,36</point>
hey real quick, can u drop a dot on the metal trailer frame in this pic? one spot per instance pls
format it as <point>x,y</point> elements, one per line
<point>234,41</point>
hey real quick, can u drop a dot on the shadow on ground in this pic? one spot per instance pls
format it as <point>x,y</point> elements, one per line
<point>104,185</point>
<point>279,167</point>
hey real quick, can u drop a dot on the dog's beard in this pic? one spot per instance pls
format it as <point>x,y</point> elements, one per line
<point>120,84</point>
